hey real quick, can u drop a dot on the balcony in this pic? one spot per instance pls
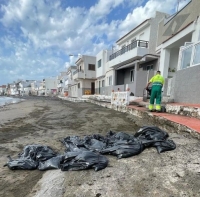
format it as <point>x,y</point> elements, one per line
<point>132,51</point>
<point>189,56</point>
<point>77,74</point>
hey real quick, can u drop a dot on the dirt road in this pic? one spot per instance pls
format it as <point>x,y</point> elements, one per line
<point>47,120</point>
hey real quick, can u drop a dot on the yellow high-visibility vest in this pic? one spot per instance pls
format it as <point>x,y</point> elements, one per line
<point>157,79</point>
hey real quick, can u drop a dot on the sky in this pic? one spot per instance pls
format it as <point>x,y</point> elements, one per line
<point>38,36</point>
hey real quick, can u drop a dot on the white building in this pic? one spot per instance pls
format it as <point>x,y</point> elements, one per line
<point>133,61</point>
<point>70,84</point>
<point>84,76</point>
<point>25,87</point>
<point>2,89</point>
<point>51,86</point>
<point>104,74</point>
<point>179,50</point>
<point>62,78</point>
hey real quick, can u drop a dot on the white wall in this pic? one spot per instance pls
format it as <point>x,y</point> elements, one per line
<point>142,34</point>
<point>50,83</point>
<point>108,74</point>
<point>174,53</point>
<point>104,57</point>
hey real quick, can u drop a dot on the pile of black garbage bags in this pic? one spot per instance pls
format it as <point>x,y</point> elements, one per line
<point>88,152</point>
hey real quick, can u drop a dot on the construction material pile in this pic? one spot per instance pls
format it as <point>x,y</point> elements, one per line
<point>88,152</point>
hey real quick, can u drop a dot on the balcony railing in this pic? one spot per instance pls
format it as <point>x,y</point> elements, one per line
<point>77,71</point>
<point>189,56</point>
<point>136,43</point>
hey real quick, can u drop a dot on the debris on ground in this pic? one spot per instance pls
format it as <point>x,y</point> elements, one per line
<point>88,152</point>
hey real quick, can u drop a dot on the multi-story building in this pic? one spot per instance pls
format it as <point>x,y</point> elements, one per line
<point>25,87</point>
<point>51,86</point>
<point>179,49</point>
<point>134,60</point>
<point>2,89</point>
<point>41,88</point>
<point>62,78</point>
<point>104,74</point>
<point>70,83</point>
<point>84,76</point>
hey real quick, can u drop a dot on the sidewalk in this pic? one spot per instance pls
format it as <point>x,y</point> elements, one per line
<point>182,113</point>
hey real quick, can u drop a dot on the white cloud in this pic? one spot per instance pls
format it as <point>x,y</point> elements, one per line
<point>40,36</point>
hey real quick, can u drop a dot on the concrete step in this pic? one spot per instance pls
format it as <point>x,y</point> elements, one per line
<point>189,110</point>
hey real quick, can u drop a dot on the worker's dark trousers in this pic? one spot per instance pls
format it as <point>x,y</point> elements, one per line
<point>155,94</point>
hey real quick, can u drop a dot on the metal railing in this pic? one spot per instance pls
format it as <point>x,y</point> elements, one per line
<point>136,43</point>
<point>77,71</point>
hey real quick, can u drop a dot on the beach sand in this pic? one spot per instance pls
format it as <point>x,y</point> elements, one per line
<point>43,120</point>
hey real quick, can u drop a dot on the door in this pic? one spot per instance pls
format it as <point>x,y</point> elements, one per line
<point>92,87</point>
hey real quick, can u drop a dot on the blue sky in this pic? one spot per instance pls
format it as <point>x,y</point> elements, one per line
<point>37,36</point>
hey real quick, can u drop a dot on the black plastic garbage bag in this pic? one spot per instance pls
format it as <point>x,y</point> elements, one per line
<point>166,145</point>
<point>93,144</point>
<point>21,164</point>
<point>113,136</point>
<point>74,144</point>
<point>37,152</point>
<point>151,133</point>
<point>53,163</point>
<point>30,157</point>
<point>125,150</point>
<point>85,160</point>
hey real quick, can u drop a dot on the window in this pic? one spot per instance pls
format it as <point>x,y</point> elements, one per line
<point>148,67</point>
<point>103,83</point>
<point>79,85</point>
<point>91,67</point>
<point>110,80</point>
<point>99,63</point>
<point>99,84</point>
<point>132,75</point>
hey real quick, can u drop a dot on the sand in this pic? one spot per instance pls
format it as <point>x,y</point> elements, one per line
<point>43,120</point>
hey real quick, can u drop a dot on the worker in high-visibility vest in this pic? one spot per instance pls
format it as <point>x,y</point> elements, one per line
<point>157,84</point>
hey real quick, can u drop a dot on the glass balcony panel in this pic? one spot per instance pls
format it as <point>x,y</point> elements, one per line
<point>196,59</point>
<point>186,57</point>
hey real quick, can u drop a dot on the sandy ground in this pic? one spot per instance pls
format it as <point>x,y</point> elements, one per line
<point>47,120</point>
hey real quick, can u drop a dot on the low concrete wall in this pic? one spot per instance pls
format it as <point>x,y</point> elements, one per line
<point>187,88</point>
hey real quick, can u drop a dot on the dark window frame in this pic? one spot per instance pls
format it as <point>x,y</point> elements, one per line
<point>91,67</point>
<point>99,63</point>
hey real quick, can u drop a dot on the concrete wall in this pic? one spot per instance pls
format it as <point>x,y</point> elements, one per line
<point>110,73</point>
<point>143,76</point>
<point>154,31</point>
<point>120,74</point>
<point>103,56</point>
<point>127,75</point>
<point>50,83</point>
<point>186,89</point>
<point>169,27</point>
<point>84,66</point>
<point>173,62</point>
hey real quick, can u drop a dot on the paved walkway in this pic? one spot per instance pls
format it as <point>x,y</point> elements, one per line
<point>190,122</point>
